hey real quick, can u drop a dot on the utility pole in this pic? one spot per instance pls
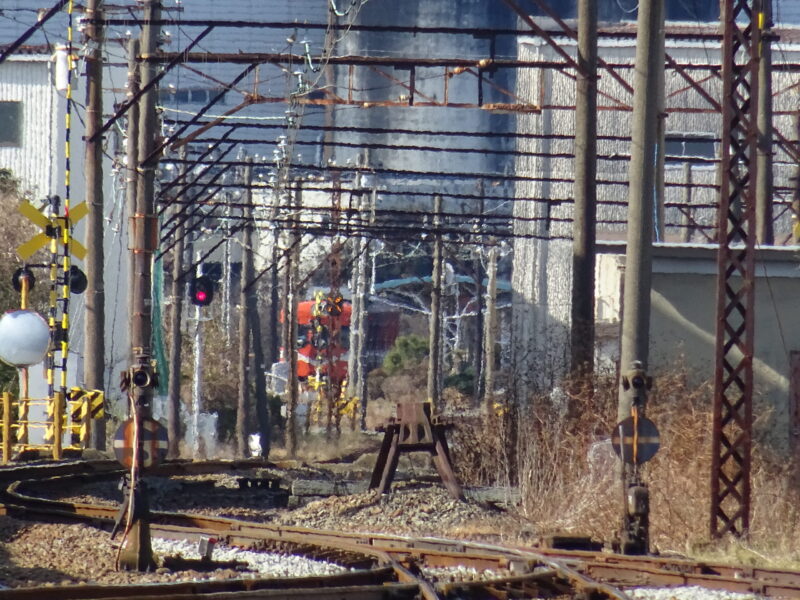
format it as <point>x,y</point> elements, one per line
<point>368,208</point>
<point>132,158</point>
<point>686,221</point>
<point>477,340</point>
<point>136,551</point>
<point>435,322</point>
<point>490,324</point>
<point>246,307</point>
<point>355,363</point>
<point>796,192</point>
<point>584,216</point>
<point>94,328</point>
<point>659,228</point>
<point>227,296</point>
<point>175,317</point>
<point>290,326</point>
<point>765,234</point>
<point>198,449</point>
<point>634,345</point>
<point>260,364</point>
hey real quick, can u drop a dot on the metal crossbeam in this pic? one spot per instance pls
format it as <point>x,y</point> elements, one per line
<point>742,22</point>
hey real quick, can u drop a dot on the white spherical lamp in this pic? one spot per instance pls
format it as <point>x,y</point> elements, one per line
<point>24,338</point>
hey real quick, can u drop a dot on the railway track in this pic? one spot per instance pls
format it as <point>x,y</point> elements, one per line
<point>382,566</point>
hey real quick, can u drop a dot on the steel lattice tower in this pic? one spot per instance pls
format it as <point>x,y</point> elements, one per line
<point>743,21</point>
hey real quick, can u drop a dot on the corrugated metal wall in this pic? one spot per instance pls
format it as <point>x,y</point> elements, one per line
<point>542,267</point>
<point>28,81</point>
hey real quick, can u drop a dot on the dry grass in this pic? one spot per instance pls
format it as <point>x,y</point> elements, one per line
<point>557,451</point>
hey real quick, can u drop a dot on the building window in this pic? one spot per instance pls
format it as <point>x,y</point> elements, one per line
<point>686,147</point>
<point>10,123</point>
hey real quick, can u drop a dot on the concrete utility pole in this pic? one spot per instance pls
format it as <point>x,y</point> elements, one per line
<point>686,219</point>
<point>477,339</point>
<point>584,216</point>
<point>490,325</point>
<point>634,345</point>
<point>635,342</point>
<point>290,327</point>
<point>245,308</point>
<point>355,362</point>
<point>198,447</point>
<point>94,328</point>
<point>132,157</point>
<point>435,321</point>
<point>259,363</point>
<point>659,229</point>
<point>175,317</point>
<point>765,234</point>
<point>136,551</point>
<point>796,193</point>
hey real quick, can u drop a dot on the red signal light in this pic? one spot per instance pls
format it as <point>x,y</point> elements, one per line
<point>202,291</point>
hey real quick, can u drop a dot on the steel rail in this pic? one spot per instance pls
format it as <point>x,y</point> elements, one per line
<point>404,559</point>
<point>589,572</point>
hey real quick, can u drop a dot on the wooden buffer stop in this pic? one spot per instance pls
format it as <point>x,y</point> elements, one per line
<point>414,431</point>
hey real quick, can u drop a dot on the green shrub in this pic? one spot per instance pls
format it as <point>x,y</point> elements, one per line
<point>464,381</point>
<point>407,351</point>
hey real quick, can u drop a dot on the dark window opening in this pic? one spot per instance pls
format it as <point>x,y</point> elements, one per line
<point>10,123</point>
<point>682,147</point>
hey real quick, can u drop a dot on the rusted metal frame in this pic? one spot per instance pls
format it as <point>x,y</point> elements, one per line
<point>703,33</point>
<point>733,377</point>
<point>680,91</point>
<point>696,86</point>
<point>791,148</point>
<point>211,78</point>
<point>157,151</point>
<point>412,84</point>
<point>217,121</point>
<point>544,35</point>
<point>497,87</point>
<point>684,210</point>
<point>338,101</point>
<point>176,59</point>
<point>570,33</point>
<point>786,89</point>
<point>397,62</point>
<point>532,583</point>
<point>410,87</point>
<point>620,104</point>
<point>409,147</point>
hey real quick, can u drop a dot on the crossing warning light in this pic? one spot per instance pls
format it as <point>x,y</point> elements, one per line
<point>335,304</point>
<point>201,290</point>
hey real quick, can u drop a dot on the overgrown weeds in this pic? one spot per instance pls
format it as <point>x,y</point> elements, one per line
<point>557,450</point>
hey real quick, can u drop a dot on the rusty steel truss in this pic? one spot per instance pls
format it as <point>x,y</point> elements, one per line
<point>742,22</point>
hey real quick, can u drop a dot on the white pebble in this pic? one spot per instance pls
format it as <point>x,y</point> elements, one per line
<point>264,563</point>
<point>688,592</point>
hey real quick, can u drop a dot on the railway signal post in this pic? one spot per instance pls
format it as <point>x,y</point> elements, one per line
<point>635,439</point>
<point>139,380</point>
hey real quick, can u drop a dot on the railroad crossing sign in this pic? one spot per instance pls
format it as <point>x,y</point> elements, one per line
<point>50,226</point>
<point>83,406</point>
<point>638,443</point>
<point>154,442</point>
